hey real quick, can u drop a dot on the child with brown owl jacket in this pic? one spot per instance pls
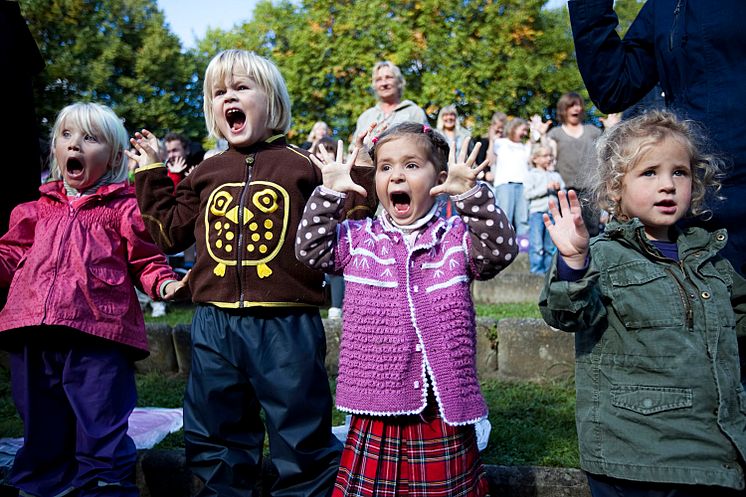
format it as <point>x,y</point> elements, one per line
<point>258,340</point>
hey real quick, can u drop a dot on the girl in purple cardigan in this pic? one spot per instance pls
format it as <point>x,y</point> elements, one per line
<point>407,366</point>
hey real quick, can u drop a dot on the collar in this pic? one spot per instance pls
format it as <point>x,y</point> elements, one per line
<point>106,179</point>
<point>389,223</point>
<point>692,240</point>
<point>56,189</point>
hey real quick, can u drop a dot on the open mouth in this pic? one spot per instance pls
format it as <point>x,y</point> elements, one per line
<point>235,118</point>
<point>74,166</point>
<point>401,202</point>
<point>666,203</point>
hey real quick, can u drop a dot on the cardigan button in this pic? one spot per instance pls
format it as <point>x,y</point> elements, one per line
<point>417,384</point>
<point>418,348</point>
<point>416,289</point>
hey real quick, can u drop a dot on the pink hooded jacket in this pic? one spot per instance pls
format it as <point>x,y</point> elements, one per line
<point>76,265</point>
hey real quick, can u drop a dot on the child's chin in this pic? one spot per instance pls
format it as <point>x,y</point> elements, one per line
<point>239,142</point>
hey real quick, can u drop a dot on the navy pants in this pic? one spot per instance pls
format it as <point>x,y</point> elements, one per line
<point>74,393</point>
<point>605,486</point>
<point>247,360</point>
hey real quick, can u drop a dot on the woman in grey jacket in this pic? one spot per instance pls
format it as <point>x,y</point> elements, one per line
<point>660,408</point>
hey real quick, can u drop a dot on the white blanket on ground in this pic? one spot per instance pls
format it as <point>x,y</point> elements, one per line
<point>147,427</point>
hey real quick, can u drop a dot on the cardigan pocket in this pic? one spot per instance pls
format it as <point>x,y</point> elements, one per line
<point>647,400</point>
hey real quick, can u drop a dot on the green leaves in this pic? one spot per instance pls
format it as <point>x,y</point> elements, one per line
<point>483,55</point>
<point>117,52</point>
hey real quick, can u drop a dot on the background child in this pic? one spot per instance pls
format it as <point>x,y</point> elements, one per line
<point>407,298</point>
<point>660,408</point>
<point>511,163</point>
<point>72,322</point>
<point>540,185</point>
<point>257,336</point>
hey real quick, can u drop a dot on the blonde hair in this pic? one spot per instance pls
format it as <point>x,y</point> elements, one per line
<point>400,83</point>
<point>312,135</point>
<point>99,121</point>
<point>263,72</point>
<point>621,148</point>
<point>511,126</point>
<point>537,148</point>
<point>499,117</point>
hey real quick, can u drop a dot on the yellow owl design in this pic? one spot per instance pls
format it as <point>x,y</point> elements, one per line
<point>262,235</point>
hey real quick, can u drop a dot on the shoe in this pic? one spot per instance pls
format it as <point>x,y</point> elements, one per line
<point>159,309</point>
<point>335,313</point>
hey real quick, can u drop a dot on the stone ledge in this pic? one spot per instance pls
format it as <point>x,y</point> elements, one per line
<point>166,476</point>
<point>514,349</point>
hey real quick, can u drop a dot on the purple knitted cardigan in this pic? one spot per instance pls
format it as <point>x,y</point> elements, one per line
<point>408,313</point>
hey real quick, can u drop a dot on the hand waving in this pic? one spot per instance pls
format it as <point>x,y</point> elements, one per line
<point>462,173</point>
<point>178,165</point>
<point>146,144</point>
<point>568,230</point>
<point>336,172</point>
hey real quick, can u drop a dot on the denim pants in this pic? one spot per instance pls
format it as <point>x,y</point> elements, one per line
<point>541,249</point>
<point>509,197</point>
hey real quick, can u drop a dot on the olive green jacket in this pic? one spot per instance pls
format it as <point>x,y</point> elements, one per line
<point>657,375</point>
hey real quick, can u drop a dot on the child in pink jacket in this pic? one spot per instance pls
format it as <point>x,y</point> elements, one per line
<point>72,322</point>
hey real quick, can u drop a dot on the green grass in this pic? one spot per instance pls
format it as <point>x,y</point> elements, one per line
<point>531,424</point>
<point>176,314</point>
<point>513,310</point>
<point>182,313</point>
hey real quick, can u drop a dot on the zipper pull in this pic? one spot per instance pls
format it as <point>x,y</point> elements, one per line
<point>250,160</point>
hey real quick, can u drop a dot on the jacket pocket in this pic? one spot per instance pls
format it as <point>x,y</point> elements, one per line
<point>647,400</point>
<point>644,295</point>
<point>110,289</point>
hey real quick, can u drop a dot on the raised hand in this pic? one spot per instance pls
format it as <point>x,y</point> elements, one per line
<point>178,165</point>
<point>538,127</point>
<point>567,229</point>
<point>363,141</point>
<point>335,172</point>
<point>611,120</point>
<point>462,172</point>
<point>146,145</point>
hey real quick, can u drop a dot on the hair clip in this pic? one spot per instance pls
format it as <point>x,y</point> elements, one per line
<point>374,140</point>
<point>425,128</point>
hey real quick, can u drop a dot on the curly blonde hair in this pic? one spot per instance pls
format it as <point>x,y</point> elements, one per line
<point>620,148</point>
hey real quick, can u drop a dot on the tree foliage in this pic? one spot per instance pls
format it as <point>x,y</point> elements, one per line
<point>483,55</point>
<point>116,52</point>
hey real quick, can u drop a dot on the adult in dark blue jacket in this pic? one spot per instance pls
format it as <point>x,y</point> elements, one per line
<point>696,50</point>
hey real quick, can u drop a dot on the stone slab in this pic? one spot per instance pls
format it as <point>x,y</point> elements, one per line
<point>530,350</point>
<point>162,356</point>
<point>182,339</point>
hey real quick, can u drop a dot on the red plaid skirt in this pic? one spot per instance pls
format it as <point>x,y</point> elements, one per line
<point>410,456</point>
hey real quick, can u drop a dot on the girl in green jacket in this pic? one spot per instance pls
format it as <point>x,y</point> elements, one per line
<point>655,309</point>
